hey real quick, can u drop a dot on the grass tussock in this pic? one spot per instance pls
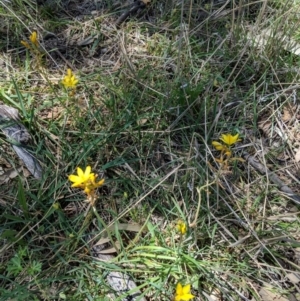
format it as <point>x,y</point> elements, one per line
<point>145,104</point>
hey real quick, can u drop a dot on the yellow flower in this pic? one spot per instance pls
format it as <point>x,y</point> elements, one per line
<point>183,293</point>
<point>33,38</point>
<point>218,146</point>
<point>24,43</point>
<point>229,139</point>
<point>70,81</point>
<point>86,180</point>
<point>181,227</point>
<point>221,147</point>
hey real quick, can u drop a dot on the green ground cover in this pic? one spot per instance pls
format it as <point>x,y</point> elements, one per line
<point>154,96</point>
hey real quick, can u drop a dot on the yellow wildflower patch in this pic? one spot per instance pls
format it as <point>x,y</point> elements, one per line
<point>183,293</point>
<point>229,139</point>
<point>225,147</point>
<point>70,80</point>
<point>34,39</point>
<point>181,227</point>
<point>86,180</point>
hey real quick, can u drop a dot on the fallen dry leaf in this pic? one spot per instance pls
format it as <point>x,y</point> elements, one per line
<point>19,137</point>
<point>9,174</point>
<point>267,294</point>
<point>293,278</point>
<point>265,126</point>
<point>126,227</point>
<point>112,249</point>
<point>297,155</point>
<point>287,114</point>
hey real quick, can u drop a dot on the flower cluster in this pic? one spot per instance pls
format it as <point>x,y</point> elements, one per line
<point>183,293</point>
<point>70,80</point>
<point>33,39</point>
<point>86,180</point>
<point>225,147</point>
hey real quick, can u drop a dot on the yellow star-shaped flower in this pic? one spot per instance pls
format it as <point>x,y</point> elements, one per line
<point>70,80</point>
<point>181,227</point>
<point>85,180</point>
<point>229,139</point>
<point>33,38</point>
<point>183,293</point>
